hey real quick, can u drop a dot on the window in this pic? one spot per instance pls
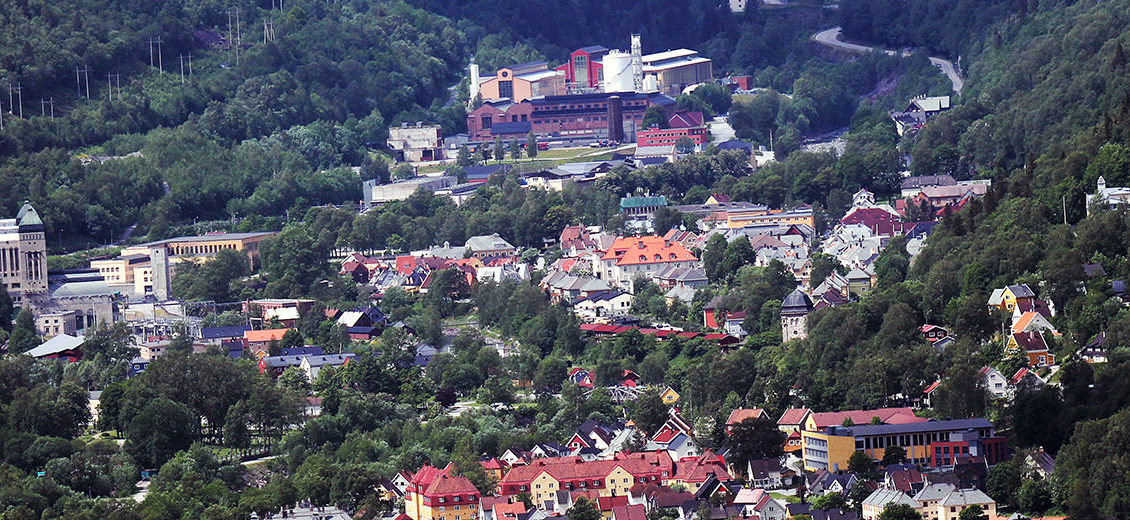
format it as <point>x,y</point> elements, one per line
<point>442,500</point>
<point>596,482</point>
<point>486,122</point>
<point>506,89</point>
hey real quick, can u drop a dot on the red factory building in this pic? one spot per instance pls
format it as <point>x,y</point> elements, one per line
<point>584,68</point>
<point>580,115</point>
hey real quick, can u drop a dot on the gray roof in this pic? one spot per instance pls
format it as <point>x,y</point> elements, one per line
<point>934,492</point>
<point>87,288</point>
<point>966,497</point>
<point>929,426</point>
<point>488,243</point>
<point>883,496</point>
<point>797,302</point>
<point>55,345</point>
<point>1021,291</point>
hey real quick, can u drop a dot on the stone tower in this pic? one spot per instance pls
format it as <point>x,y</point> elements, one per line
<point>794,315</point>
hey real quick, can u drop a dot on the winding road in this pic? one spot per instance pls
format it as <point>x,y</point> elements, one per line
<point>831,38</point>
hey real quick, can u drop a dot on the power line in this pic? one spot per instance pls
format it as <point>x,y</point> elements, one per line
<point>20,94</point>
<point>160,61</point>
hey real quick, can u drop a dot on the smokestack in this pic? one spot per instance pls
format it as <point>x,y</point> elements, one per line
<point>615,119</point>
<point>474,87</point>
<point>159,260</point>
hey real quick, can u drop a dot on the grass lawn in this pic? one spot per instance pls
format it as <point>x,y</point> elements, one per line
<point>787,498</point>
<point>545,159</point>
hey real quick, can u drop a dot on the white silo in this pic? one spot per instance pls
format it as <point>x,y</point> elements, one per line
<point>474,86</point>
<point>618,72</point>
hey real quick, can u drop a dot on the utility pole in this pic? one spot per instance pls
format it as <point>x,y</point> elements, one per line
<point>118,84</point>
<point>181,57</point>
<point>1,116</point>
<point>19,93</point>
<point>238,36</point>
<point>160,62</point>
<point>109,87</point>
<point>42,107</point>
<point>190,66</point>
<point>78,78</point>
<point>86,76</point>
<point>51,103</point>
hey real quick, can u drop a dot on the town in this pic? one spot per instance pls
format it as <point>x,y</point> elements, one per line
<point>434,260</point>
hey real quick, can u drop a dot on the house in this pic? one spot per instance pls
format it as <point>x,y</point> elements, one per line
<point>793,419</point>
<point>930,496</point>
<point>996,383</point>
<point>218,335</point>
<point>1032,346</point>
<point>903,477</point>
<point>918,111</point>
<point>63,346</point>
<point>822,482</point>
<point>1031,321</point>
<point>436,494</point>
<point>604,303</point>
<point>757,503</point>
<point>542,478</point>
<point>1007,298</point>
<point>259,341</point>
<point>933,333</point>
<point>768,474</point>
<point>740,414</point>
<point>694,473</point>
<point>669,396</point>
<point>879,499</point>
<point>363,323</point>
<point>312,365</point>
<point>950,507</point>
<point>1095,350</point>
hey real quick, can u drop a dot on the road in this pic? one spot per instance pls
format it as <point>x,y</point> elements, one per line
<point>831,38</point>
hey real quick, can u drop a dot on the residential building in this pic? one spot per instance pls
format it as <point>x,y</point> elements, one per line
<point>436,494</point>
<point>911,186</point>
<point>416,143</point>
<point>793,419</point>
<point>950,507</point>
<point>62,346</point>
<point>604,303</point>
<point>879,499</point>
<point>259,341</point>
<point>1032,346</point>
<point>542,478</point>
<point>756,503</point>
<point>740,414</point>
<point>524,81</point>
<point>918,111</point>
<point>23,255</point>
<point>630,257</point>
<point>1008,298</point>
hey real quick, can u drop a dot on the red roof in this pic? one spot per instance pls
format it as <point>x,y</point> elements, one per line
<point>933,386</point>
<point>741,414</point>
<point>607,503</point>
<point>793,416</point>
<point>448,485</point>
<point>575,468</point>
<point>902,415</point>
<point>698,469</point>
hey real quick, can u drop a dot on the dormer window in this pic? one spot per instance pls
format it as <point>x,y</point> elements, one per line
<point>643,258</point>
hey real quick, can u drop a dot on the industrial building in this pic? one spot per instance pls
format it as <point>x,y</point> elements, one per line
<point>669,72</point>
<point>376,194</point>
<point>520,82</point>
<point>565,116</point>
<point>415,143</point>
<point>23,254</point>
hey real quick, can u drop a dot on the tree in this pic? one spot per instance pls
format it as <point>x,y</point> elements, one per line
<point>499,151</point>
<point>583,509</point>
<point>464,157</point>
<point>829,501</point>
<point>860,464</point>
<point>515,150</point>
<point>893,455</point>
<point>6,310</point>
<point>1034,497</point>
<point>24,337</point>
<point>655,117</point>
<point>404,171</point>
<point>899,512</point>
<point>163,428</point>
<point>531,145</point>
<point>666,219</point>
<point>973,512</point>
<point>684,145</point>
<point>754,439</point>
<point>649,412</point>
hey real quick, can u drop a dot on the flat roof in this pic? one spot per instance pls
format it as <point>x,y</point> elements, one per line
<point>922,427</point>
<point>675,63</point>
<point>213,237</point>
<point>668,55</point>
<point>540,75</point>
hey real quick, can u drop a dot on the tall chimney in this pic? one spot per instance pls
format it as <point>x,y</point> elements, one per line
<point>615,119</point>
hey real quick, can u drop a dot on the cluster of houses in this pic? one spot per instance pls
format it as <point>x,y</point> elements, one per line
<point>947,466</point>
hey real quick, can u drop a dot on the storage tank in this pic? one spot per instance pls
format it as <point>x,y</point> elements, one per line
<point>618,72</point>
<point>651,83</point>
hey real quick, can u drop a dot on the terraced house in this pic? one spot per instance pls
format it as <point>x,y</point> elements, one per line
<point>542,478</point>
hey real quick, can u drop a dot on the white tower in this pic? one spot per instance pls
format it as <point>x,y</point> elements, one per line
<point>637,63</point>
<point>473,89</point>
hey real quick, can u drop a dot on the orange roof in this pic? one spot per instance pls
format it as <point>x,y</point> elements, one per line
<point>700,468</point>
<point>1024,321</point>
<point>793,416</point>
<point>741,414</point>
<point>509,510</point>
<point>647,250</point>
<point>264,335</point>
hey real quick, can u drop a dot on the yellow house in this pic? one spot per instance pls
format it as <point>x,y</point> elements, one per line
<point>1007,298</point>
<point>618,482</point>
<point>434,494</point>
<point>669,396</point>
